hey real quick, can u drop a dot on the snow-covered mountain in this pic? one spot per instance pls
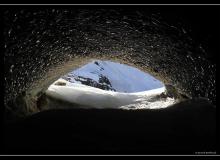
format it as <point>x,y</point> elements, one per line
<point>113,76</point>
<point>102,84</point>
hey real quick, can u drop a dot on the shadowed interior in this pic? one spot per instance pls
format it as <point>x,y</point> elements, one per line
<point>42,44</point>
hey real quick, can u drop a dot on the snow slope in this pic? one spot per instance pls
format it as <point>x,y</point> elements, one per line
<point>110,85</point>
<point>98,98</point>
<point>122,78</point>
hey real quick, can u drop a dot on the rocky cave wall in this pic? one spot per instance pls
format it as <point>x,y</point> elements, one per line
<point>41,44</point>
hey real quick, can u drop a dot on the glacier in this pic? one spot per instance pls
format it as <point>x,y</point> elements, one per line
<point>133,89</point>
<point>98,98</point>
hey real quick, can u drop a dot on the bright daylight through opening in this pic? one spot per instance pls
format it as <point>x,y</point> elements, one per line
<point>107,84</point>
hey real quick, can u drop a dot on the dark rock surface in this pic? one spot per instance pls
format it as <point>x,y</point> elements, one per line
<point>185,128</point>
<point>42,43</point>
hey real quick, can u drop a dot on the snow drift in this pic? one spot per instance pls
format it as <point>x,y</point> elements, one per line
<point>98,98</point>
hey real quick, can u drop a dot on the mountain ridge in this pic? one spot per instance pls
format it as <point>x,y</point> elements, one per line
<point>113,76</point>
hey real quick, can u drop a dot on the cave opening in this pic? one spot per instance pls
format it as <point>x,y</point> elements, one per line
<point>105,84</point>
<point>171,44</point>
